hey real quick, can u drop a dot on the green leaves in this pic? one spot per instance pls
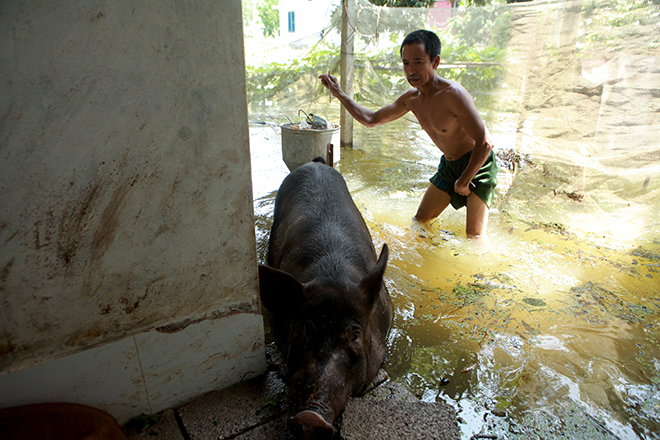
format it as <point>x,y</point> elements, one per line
<point>404,3</point>
<point>475,39</point>
<point>270,17</point>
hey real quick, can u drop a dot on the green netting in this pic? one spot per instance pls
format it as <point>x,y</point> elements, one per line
<point>561,313</point>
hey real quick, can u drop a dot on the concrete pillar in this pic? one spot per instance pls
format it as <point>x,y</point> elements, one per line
<point>128,268</point>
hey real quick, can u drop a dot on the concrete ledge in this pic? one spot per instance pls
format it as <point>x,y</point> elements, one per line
<point>390,390</point>
<point>256,410</point>
<point>235,410</point>
<point>391,411</point>
<point>397,419</point>
<point>273,430</point>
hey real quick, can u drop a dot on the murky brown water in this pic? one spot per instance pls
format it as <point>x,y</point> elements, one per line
<point>552,329</point>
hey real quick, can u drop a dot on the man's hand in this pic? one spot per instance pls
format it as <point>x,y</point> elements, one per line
<point>363,115</point>
<point>461,189</point>
<point>331,83</point>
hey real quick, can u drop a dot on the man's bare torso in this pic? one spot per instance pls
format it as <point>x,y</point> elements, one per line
<point>439,122</point>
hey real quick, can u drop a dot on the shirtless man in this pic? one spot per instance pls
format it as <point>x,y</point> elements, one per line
<point>467,173</point>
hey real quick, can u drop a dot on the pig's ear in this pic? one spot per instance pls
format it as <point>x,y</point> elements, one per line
<point>281,293</point>
<point>372,282</point>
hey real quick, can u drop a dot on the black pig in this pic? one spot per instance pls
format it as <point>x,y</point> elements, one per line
<point>324,296</point>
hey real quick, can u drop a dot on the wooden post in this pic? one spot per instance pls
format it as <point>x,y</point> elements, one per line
<point>347,70</point>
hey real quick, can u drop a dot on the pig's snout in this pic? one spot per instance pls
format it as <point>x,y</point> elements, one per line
<point>310,425</point>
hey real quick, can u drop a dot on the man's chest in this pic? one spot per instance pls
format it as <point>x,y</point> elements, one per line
<point>436,120</point>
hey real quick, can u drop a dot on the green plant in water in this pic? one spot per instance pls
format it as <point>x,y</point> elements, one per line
<point>535,302</point>
<point>550,227</point>
<point>141,423</point>
<point>470,293</point>
<point>645,253</point>
<point>612,303</point>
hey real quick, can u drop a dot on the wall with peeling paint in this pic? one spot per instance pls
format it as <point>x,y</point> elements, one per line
<point>125,190</point>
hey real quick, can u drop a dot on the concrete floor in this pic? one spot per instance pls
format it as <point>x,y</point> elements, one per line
<point>256,410</point>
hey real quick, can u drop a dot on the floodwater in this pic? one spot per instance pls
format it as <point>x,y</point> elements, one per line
<point>551,329</point>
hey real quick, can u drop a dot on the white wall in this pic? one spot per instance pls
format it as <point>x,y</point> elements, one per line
<point>125,202</point>
<point>311,16</point>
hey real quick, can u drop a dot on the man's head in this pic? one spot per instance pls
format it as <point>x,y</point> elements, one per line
<point>430,41</point>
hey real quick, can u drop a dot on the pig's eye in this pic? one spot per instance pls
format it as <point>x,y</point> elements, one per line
<point>355,334</point>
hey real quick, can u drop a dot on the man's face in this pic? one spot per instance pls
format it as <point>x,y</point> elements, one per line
<point>417,65</point>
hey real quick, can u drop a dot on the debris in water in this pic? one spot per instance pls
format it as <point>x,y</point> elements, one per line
<point>499,412</point>
<point>571,195</point>
<point>534,302</point>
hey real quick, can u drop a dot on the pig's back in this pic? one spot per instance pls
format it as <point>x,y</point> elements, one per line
<point>315,218</point>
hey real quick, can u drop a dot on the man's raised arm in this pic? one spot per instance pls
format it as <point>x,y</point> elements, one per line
<point>363,115</point>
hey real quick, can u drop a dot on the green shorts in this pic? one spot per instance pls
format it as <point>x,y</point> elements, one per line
<point>484,181</point>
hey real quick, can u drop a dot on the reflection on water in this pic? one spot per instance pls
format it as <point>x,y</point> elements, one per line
<point>550,331</point>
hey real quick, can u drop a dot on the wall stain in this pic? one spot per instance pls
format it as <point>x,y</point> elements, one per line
<point>185,133</point>
<point>131,306</point>
<point>84,338</point>
<point>104,234</point>
<point>175,327</point>
<point>44,230</point>
<point>5,349</point>
<point>96,17</point>
<point>161,229</point>
<point>37,242</point>
<point>4,273</point>
<point>74,222</point>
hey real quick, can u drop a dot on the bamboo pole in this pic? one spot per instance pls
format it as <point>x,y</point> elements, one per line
<point>347,70</point>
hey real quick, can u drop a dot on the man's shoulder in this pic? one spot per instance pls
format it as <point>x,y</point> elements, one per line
<point>450,86</point>
<point>454,93</point>
<point>407,97</point>
<point>410,93</point>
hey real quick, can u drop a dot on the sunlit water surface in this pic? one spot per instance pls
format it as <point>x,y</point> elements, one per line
<point>549,330</point>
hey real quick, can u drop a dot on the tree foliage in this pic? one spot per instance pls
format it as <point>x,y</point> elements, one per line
<point>404,3</point>
<point>270,17</point>
<point>425,3</point>
<point>475,40</point>
<point>486,26</point>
